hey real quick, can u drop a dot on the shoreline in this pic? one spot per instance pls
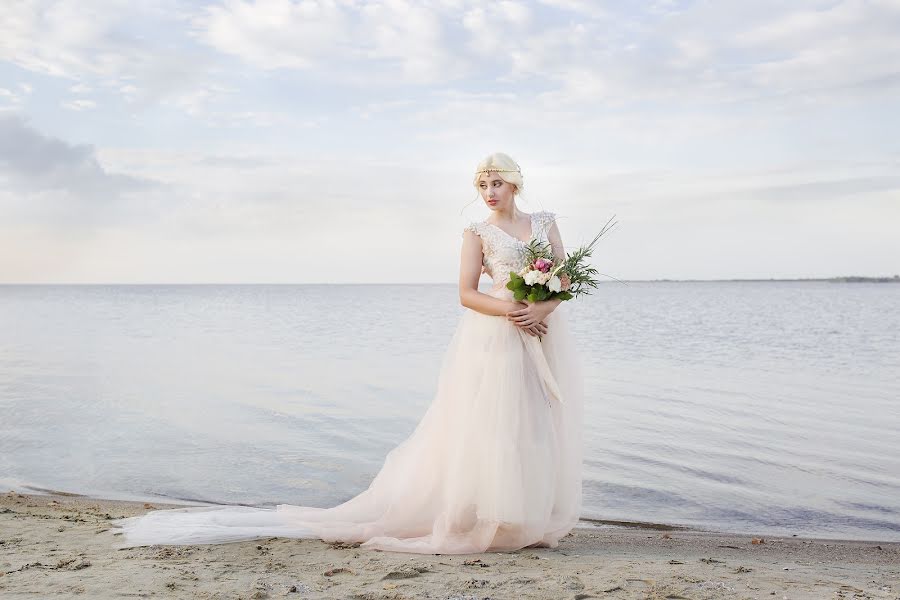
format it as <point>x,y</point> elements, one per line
<point>62,544</point>
<point>588,523</point>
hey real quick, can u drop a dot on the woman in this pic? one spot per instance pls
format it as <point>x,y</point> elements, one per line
<point>495,462</point>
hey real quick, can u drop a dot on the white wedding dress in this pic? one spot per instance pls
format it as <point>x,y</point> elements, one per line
<point>494,463</point>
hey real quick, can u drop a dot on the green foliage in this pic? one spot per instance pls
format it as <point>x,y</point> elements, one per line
<point>532,293</point>
<point>537,249</point>
<point>518,286</point>
<point>582,276</point>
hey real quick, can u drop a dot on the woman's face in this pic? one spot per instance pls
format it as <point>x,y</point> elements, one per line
<point>496,193</point>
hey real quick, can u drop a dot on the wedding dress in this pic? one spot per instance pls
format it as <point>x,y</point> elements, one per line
<point>493,465</point>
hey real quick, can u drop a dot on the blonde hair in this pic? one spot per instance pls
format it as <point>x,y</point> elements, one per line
<point>506,168</point>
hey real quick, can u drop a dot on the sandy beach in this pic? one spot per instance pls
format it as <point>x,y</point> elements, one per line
<point>60,545</point>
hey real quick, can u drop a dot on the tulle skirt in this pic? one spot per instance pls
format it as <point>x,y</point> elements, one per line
<point>493,465</point>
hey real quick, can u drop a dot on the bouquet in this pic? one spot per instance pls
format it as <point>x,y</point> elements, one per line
<point>546,277</point>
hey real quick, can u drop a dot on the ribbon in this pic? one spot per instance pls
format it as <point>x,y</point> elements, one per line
<point>536,350</point>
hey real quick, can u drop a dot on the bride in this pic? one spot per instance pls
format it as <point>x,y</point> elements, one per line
<point>495,462</point>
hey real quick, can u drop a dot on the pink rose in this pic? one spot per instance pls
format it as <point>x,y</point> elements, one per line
<point>565,282</point>
<point>542,264</point>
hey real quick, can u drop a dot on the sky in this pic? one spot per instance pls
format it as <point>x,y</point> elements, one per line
<point>317,141</point>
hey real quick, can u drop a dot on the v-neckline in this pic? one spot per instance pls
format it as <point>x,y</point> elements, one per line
<point>530,223</point>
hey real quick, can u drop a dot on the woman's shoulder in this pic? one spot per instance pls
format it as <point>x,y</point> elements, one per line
<point>476,227</point>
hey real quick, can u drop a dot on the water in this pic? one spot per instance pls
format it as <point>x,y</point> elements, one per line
<point>771,408</point>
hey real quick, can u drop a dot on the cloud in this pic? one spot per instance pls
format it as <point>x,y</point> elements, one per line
<point>273,34</point>
<point>829,189</point>
<point>568,53</point>
<point>79,104</point>
<point>772,48</point>
<point>334,38</point>
<point>713,53</point>
<point>586,8</point>
<point>140,51</point>
<point>65,38</point>
<point>235,162</point>
<point>46,177</point>
<point>12,98</point>
<point>9,97</point>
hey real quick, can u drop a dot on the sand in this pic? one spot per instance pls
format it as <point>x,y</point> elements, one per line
<point>63,546</point>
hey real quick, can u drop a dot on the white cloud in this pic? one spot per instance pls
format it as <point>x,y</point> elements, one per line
<point>375,109</point>
<point>273,34</point>
<point>516,12</point>
<point>409,35</point>
<point>62,38</point>
<point>334,38</point>
<point>775,48</point>
<point>9,96</point>
<point>12,98</point>
<point>587,8</point>
<point>79,104</point>
<point>100,46</point>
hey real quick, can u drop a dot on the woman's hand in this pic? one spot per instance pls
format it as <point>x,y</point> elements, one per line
<point>537,329</point>
<point>530,314</point>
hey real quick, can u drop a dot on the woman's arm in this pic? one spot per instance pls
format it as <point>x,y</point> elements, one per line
<point>556,245</point>
<point>469,273</point>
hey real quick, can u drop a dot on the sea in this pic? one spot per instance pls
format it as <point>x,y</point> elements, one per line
<point>770,408</point>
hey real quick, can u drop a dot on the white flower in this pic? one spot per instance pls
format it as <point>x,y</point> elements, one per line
<point>543,278</point>
<point>554,284</point>
<point>531,277</point>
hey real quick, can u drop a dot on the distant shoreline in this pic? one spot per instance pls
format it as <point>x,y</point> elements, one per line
<point>846,279</point>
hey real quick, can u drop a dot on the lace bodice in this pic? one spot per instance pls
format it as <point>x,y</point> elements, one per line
<point>503,253</point>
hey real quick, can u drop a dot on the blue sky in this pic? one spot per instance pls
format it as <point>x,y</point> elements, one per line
<point>317,141</point>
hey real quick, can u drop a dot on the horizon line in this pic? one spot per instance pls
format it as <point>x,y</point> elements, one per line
<point>839,278</point>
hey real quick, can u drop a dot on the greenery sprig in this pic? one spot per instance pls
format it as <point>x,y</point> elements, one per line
<point>564,279</point>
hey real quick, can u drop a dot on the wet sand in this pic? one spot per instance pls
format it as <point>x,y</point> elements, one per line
<point>59,545</point>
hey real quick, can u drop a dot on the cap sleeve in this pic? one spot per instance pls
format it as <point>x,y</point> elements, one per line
<point>473,227</point>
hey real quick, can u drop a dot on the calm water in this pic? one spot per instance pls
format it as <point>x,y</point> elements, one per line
<point>767,408</point>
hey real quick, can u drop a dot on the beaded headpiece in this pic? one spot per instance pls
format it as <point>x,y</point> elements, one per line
<point>489,170</point>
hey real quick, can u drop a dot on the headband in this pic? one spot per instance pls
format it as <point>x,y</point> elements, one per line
<point>489,170</point>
